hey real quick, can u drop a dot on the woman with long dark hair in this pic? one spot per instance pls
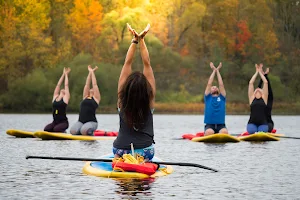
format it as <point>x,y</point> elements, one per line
<point>136,94</point>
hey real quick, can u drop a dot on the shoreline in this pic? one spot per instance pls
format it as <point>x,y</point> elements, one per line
<point>186,109</point>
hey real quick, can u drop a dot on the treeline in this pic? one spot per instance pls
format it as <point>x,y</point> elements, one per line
<point>40,37</point>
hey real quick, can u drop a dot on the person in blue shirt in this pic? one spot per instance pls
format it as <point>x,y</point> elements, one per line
<point>215,104</point>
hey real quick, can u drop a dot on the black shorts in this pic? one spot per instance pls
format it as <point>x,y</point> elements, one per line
<point>215,127</point>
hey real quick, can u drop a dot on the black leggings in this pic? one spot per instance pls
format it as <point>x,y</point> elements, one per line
<point>59,127</point>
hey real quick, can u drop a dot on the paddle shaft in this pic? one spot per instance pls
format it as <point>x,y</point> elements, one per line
<point>110,160</point>
<point>185,164</point>
<point>290,137</point>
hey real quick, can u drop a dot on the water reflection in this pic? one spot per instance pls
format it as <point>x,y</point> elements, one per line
<point>132,188</point>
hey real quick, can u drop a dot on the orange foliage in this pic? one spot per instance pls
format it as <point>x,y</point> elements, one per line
<point>243,36</point>
<point>85,23</point>
<point>184,51</point>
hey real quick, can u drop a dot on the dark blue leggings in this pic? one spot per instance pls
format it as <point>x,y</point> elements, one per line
<point>253,128</point>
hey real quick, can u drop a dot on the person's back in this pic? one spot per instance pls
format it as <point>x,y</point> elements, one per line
<point>59,111</point>
<point>141,136</point>
<point>136,94</point>
<point>87,111</point>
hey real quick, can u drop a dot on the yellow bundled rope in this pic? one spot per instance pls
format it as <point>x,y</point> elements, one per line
<point>128,158</point>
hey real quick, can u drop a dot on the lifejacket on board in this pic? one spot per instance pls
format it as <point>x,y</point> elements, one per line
<point>105,133</point>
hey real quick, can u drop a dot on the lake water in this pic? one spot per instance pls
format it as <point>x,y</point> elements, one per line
<point>247,170</point>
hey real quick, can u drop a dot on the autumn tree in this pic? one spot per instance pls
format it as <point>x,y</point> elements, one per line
<point>85,24</point>
<point>23,43</point>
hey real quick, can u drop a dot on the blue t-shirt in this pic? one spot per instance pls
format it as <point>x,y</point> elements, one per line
<point>215,109</point>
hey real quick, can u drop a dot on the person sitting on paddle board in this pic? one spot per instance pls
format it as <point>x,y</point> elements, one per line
<point>136,94</point>
<point>258,100</point>
<point>60,101</point>
<point>215,104</point>
<point>87,123</point>
<point>270,100</point>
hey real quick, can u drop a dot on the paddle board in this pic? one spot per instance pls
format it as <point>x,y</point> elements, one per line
<point>104,169</point>
<point>216,138</point>
<point>20,133</point>
<point>65,136</point>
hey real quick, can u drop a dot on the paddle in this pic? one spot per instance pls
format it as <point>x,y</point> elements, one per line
<point>290,137</point>
<point>109,160</point>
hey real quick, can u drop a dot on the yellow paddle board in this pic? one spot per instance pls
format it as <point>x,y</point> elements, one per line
<point>216,138</point>
<point>65,136</point>
<point>20,133</point>
<point>104,169</point>
<point>259,137</point>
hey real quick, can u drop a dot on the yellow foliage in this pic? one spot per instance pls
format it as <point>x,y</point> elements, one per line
<point>23,42</point>
<point>85,23</point>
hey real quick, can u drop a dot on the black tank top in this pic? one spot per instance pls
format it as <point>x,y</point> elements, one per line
<point>141,138</point>
<point>258,112</point>
<point>59,111</point>
<point>87,111</point>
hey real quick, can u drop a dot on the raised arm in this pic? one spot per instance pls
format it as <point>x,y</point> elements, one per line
<point>260,84</point>
<point>220,80</point>
<point>86,88</point>
<point>270,92</point>
<point>66,97</point>
<point>97,96</point>
<point>251,85</point>
<point>148,71</point>
<point>211,79</point>
<point>265,87</point>
<point>126,70</point>
<point>57,88</point>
